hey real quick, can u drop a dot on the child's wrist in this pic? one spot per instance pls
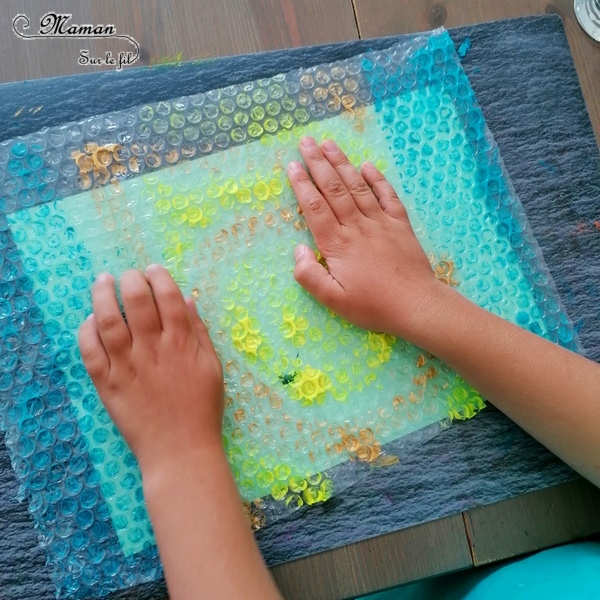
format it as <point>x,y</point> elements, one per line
<point>428,326</point>
<point>170,466</point>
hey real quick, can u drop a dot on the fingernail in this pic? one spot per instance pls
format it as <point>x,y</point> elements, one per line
<point>295,166</point>
<point>368,164</point>
<point>308,142</point>
<point>300,251</point>
<point>152,267</point>
<point>329,146</point>
<point>105,277</point>
<point>90,317</point>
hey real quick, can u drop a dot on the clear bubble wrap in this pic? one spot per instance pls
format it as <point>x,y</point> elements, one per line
<point>198,184</point>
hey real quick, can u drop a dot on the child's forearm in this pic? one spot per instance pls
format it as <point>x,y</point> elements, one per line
<point>206,545</point>
<point>552,393</point>
<point>378,277</point>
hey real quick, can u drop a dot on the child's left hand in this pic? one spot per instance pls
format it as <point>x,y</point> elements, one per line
<point>157,374</point>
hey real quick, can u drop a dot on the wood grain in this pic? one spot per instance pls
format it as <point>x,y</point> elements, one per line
<point>192,29</point>
<point>171,30</point>
<point>32,59</point>
<point>379,563</point>
<point>388,17</point>
<point>533,521</point>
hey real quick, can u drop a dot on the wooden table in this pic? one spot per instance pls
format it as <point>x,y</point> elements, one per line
<point>171,30</point>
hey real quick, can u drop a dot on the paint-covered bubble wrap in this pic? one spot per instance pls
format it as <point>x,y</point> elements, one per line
<point>198,184</point>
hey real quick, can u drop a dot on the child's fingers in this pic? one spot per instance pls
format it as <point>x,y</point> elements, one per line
<point>315,278</point>
<point>328,181</point>
<point>199,326</point>
<point>139,305</point>
<point>317,212</point>
<point>110,324</point>
<point>361,193</point>
<point>384,192</point>
<point>92,350</point>
<point>172,310</point>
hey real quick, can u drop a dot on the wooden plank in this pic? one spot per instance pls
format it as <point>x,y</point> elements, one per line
<point>31,59</point>
<point>388,17</point>
<point>171,30</point>
<point>533,521</point>
<point>379,563</point>
<point>239,26</point>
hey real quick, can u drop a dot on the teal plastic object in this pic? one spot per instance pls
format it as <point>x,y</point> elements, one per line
<point>198,184</point>
<point>560,573</point>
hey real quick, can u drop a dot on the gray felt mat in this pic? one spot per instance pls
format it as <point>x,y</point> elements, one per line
<point>525,81</point>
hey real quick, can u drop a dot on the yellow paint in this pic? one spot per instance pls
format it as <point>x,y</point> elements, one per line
<point>310,386</point>
<point>380,346</point>
<point>464,402</point>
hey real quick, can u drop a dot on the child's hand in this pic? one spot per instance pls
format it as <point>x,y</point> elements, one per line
<point>379,277</point>
<point>162,383</point>
<point>158,374</point>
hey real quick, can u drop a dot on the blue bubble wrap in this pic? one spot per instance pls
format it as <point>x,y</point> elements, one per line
<point>198,184</point>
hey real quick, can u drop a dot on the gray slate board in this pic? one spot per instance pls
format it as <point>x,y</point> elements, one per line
<point>523,74</point>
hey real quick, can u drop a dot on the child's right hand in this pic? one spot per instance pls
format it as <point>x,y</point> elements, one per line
<point>377,276</point>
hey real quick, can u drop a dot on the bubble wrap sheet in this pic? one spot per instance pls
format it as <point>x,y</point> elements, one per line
<point>198,184</point>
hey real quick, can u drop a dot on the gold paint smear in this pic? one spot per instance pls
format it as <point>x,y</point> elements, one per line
<point>444,269</point>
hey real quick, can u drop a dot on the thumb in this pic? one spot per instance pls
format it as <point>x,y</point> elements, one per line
<point>315,278</point>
